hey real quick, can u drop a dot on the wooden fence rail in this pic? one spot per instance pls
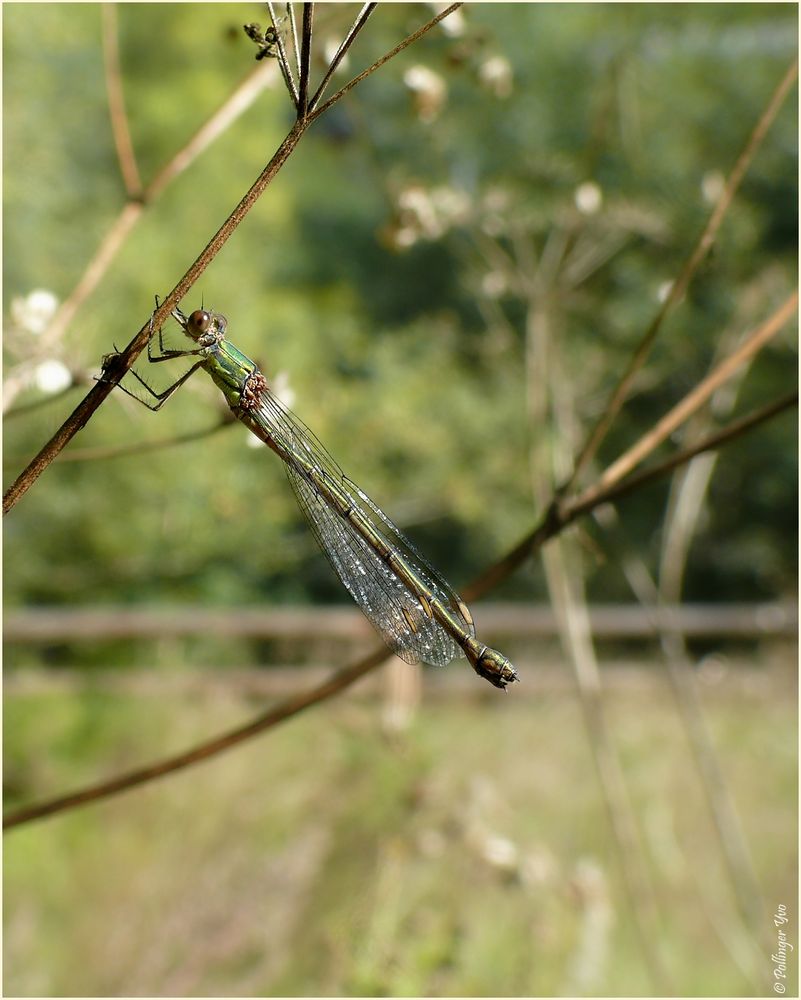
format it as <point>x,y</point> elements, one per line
<point>512,621</point>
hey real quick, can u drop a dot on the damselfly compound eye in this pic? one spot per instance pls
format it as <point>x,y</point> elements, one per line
<point>200,320</point>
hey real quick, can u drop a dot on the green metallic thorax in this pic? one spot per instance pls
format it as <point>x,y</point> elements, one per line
<point>229,368</point>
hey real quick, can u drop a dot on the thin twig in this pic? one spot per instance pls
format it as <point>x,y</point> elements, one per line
<point>283,710</point>
<point>560,515</point>
<point>95,269</point>
<point>238,102</point>
<point>380,62</point>
<point>679,286</point>
<point>714,441</point>
<point>685,504</point>
<point>283,62</point>
<point>141,447</point>
<point>290,13</point>
<point>305,60</point>
<point>341,52</point>
<point>570,606</point>
<point>37,404</point>
<point>694,399</point>
<point>126,358</point>
<point>116,103</point>
<point>742,948</point>
<point>549,404</point>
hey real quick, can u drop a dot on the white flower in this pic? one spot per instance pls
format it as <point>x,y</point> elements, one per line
<point>663,291</point>
<point>33,313</point>
<point>452,25</point>
<point>588,198</point>
<point>330,49</point>
<point>429,89</point>
<point>451,205</point>
<point>405,237</point>
<point>283,390</point>
<point>712,185</point>
<point>495,209</point>
<point>429,214</point>
<point>52,376</point>
<point>495,74</point>
<point>417,210</point>
<point>500,852</point>
<point>494,284</point>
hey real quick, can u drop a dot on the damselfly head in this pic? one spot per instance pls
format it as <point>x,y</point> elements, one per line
<point>206,328</point>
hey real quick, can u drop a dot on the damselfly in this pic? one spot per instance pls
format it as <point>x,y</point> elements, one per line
<point>417,613</point>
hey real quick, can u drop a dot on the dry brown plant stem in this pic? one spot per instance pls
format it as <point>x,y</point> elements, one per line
<point>116,102</point>
<point>283,62</point>
<point>341,52</point>
<point>694,399</point>
<point>564,510</point>
<point>123,361</point>
<point>278,713</point>
<point>550,404</point>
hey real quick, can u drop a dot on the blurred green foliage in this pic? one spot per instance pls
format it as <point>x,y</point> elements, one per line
<point>385,271</point>
<point>396,354</point>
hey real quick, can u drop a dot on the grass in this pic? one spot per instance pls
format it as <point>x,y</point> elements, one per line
<point>469,856</point>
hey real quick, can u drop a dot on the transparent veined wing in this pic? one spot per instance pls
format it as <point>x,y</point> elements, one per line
<point>395,611</point>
